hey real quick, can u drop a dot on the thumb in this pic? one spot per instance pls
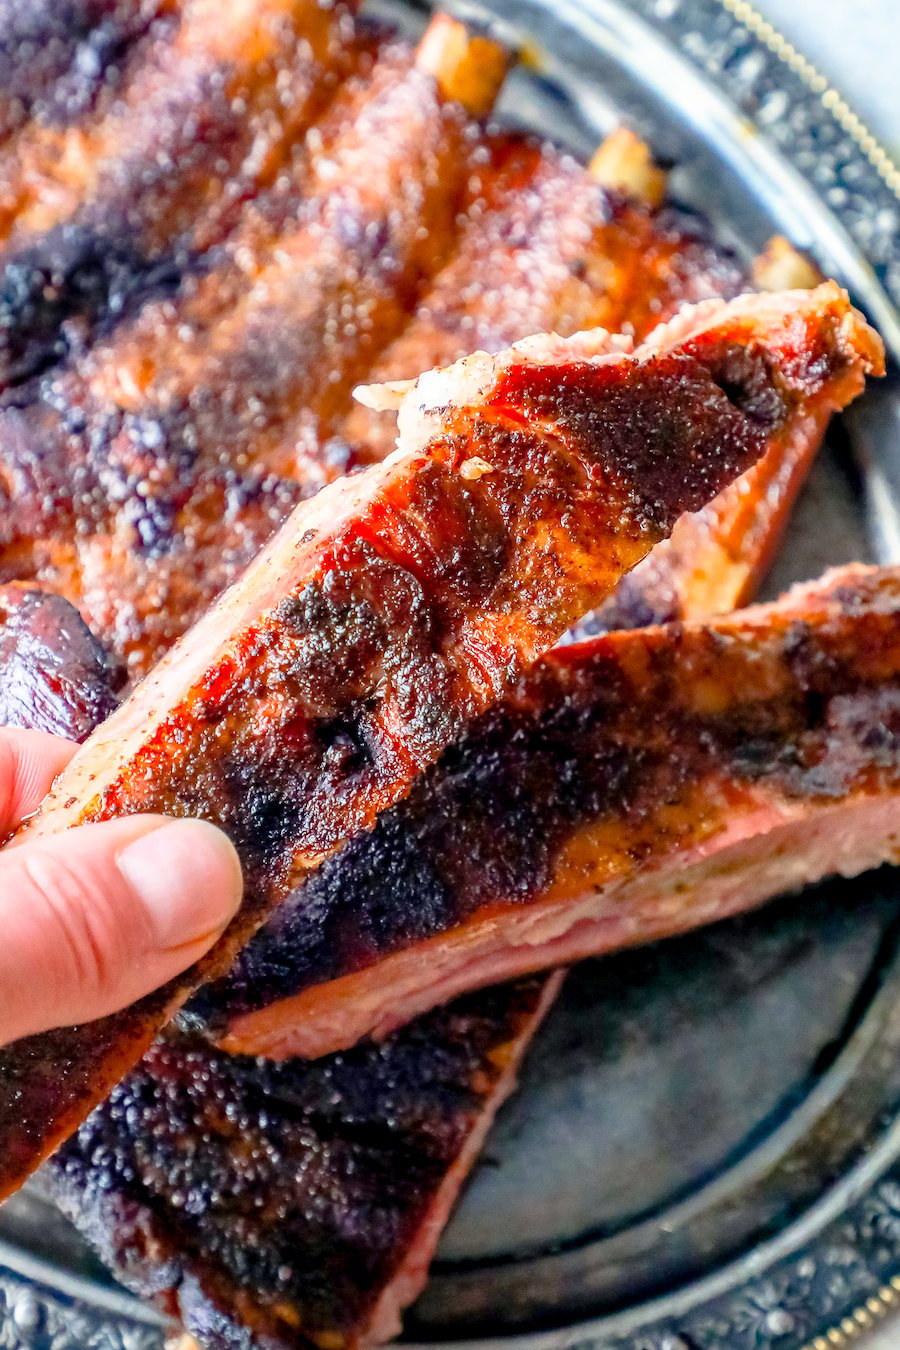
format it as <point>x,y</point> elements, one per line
<point>96,917</point>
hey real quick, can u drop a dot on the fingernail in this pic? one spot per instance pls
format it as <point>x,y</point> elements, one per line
<point>188,877</point>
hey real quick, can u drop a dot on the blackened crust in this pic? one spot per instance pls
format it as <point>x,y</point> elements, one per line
<point>613,728</point>
<point>302,1186</point>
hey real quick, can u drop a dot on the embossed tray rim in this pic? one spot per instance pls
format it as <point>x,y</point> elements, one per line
<point>42,1305</point>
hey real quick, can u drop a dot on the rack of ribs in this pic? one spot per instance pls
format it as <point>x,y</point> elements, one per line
<point>145,476</point>
<point>300,1201</point>
<point>399,604</point>
<point>114,197</point>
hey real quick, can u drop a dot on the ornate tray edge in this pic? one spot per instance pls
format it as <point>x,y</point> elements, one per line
<point>796,109</point>
<point>860,185</point>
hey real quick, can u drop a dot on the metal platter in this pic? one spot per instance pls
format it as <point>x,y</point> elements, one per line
<point>705,1150</point>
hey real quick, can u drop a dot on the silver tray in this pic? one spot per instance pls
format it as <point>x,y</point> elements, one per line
<point>705,1150</point>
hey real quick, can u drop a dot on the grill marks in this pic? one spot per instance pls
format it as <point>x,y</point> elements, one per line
<point>58,292</point>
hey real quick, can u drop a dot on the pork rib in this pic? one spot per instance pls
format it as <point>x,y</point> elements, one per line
<point>194,1270</point>
<point>143,479</point>
<point>786,720</point>
<point>408,1117</point>
<point>636,785</point>
<point>401,603</point>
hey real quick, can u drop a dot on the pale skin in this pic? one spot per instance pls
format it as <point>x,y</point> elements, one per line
<point>93,919</point>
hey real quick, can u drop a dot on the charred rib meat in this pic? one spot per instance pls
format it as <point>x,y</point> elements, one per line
<point>401,603</point>
<point>582,823</point>
<point>384,1136</point>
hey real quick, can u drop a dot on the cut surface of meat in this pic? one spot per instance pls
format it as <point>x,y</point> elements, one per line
<point>293,1204</point>
<point>400,604</point>
<point>637,784</point>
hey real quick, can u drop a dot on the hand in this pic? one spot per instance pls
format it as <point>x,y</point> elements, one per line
<point>94,918</point>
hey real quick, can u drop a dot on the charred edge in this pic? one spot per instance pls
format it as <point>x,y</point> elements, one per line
<point>75,282</point>
<point>724,406</point>
<point>524,780</point>
<point>57,55</point>
<point>56,675</point>
<point>513,789</point>
<point>348,1153</point>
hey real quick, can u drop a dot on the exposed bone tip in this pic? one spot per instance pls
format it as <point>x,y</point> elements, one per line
<point>181,1341</point>
<point>625,163</point>
<point>468,68</point>
<point>385,397</point>
<point>782,267</point>
<point>474,468</point>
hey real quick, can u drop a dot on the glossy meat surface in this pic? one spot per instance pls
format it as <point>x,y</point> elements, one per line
<point>546,248</point>
<point>54,674</point>
<point>400,604</point>
<point>637,784</point>
<point>141,481</point>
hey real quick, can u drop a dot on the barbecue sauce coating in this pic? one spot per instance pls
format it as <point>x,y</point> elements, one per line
<point>614,734</point>
<point>278,1201</point>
